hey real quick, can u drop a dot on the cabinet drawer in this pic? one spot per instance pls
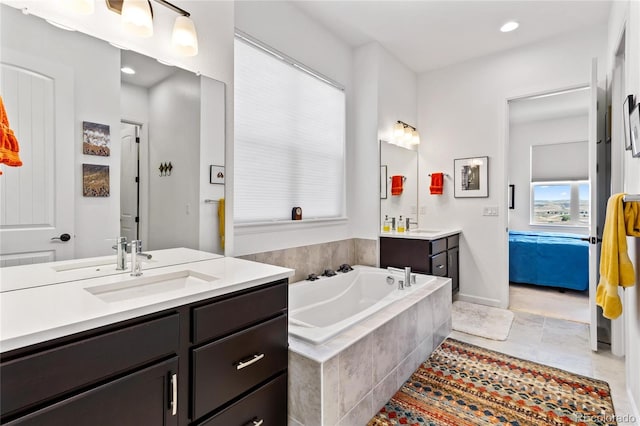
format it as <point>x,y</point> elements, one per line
<point>219,318</point>
<point>438,246</point>
<point>439,265</point>
<point>453,241</point>
<point>141,398</point>
<point>268,404</point>
<point>224,369</point>
<point>51,373</point>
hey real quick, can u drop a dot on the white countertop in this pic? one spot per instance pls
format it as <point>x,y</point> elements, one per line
<point>423,234</point>
<point>34,315</point>
<point>41,274</point>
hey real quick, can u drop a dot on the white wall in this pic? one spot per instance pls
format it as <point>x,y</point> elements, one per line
<point>625,16</point>
<point>174,122</point>
<point>462,113</point>
<point>285,28</point>
<point>96,86</point>
<point>522,135</point>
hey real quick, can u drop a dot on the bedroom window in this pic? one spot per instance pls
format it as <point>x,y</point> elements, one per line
<point>289,148</point>
<point>560,203</point>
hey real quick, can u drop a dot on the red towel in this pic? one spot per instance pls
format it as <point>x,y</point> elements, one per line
<point>437,182</point>
<point>9,148</point>
<point>396,185</point>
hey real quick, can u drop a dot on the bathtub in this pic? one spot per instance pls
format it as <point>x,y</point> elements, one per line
<point>319,310</point>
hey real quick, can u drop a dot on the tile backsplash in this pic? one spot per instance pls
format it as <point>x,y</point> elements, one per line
<point>314,259</point>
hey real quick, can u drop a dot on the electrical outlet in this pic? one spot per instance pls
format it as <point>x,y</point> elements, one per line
<point>423,210</point>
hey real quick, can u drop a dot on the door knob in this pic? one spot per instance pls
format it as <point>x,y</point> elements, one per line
<point>62,237</point>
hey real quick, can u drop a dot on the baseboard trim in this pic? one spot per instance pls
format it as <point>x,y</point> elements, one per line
<point>634,407</point>
<point>479,300</point>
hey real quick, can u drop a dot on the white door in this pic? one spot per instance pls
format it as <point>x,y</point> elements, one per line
<point>129,172</point>
<point>37,199</point>
<point>594,243</point>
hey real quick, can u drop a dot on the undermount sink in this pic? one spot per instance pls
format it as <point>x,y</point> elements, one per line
<point>136,287</point>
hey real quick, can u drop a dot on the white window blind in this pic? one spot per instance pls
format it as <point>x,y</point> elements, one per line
<point>289,140</point>
<point>560,161</point>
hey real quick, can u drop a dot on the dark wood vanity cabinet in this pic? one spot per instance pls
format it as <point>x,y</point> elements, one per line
<point>222,361</point>
<point>437,257</point>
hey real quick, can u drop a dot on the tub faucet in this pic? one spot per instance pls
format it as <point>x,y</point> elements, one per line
<point>408,277</point>
<point>136,250</point>
<point>121,253</point>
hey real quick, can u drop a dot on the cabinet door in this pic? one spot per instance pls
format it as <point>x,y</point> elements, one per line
<point>453,268</point>
<point>401,252</point>
<point>138,399</point>
<point>439,265</point>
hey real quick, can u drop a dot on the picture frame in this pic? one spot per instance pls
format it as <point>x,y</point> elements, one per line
<point>512,194</point>
<point>634,122</point>
<point>96,139</point>
<point>383,183</point>
<point>216,174</point>
<point>95,180</point>
<point>471,177</point>
<point>627,109</point>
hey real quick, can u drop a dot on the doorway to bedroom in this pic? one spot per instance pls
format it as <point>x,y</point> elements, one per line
<point>550,204</point>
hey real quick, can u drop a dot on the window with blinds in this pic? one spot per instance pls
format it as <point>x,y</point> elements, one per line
<point>289,146</point>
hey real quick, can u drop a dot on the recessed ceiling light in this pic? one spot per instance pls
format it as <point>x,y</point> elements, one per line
<point>509,26</point>
<point>128,70</point>
<point>57,25</point>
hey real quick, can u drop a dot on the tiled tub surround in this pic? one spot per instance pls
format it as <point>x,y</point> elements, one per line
<point>314,259</point>
<point>346,380</point>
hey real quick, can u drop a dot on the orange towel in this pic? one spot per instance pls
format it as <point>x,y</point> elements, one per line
<point>437,183</point>
<point>9,147</point>
<point>397,184</point>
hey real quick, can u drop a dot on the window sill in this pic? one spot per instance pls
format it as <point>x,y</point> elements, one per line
<point>285,225</point>
<point>551,225</point>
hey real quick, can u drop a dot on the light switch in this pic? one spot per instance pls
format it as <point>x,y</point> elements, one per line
<point>490,211</point>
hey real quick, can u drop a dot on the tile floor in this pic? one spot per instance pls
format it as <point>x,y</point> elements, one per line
<point>562,344</point>
<point>548,301</point>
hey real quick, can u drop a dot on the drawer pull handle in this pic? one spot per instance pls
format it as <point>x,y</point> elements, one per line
<point>258,422</point>
<point>440,266</point>
<point>174,394</point>
<point>243,364</point>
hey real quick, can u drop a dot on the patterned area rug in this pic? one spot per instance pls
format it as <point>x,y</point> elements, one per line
<point>462,384</point>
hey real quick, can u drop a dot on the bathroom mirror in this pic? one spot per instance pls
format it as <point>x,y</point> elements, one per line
<point>66,97</point>
<point>403,163</point>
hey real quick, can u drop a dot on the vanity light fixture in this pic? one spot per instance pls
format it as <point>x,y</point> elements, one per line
<point>137,19</point>
<point>509,26</point>
<point>404,134</point>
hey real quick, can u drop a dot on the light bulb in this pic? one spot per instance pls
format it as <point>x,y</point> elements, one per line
<point>398,130</point>
<point>136,18</point>
<point>184,38</point>
<point>408,134</point>
<point>415,138</point>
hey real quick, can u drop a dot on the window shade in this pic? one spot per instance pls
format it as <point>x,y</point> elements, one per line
<point>560,161</point>
<point>289,140</point>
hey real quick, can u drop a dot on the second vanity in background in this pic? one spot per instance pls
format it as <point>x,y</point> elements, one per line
<point>429,252</point>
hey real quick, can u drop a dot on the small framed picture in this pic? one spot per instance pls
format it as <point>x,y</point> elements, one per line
<point>95,180</point>
<point>216,174</point>
<point>383,182</point>
<point>96,139</point>
<point>634,122</point>
<point>471,177</point>
<point>627,108</point>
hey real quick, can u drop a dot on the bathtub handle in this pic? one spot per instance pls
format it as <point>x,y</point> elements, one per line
<point>243,364</point>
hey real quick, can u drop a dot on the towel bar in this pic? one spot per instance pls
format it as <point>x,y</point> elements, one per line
<point>631,197</point>
<point>207,201</point>
<point>445,174</point>
<point>404,179</point>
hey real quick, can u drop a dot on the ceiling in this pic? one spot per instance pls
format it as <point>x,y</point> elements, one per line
<point>570,103</point>
<point>427,35</point>
<point>149,71</point>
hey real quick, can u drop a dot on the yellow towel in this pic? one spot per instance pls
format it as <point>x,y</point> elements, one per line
<point>632,218</point>
<point>221,221</point>
<point>616,268</point>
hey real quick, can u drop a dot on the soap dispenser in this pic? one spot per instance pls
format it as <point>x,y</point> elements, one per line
<point>386,225</point>
<point>400,224</point>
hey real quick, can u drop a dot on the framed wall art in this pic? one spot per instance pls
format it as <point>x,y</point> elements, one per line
<point>634,122</point>
<point>627,109</point>
<point>95,180</point>
<point>471,177</point>
<point>96,139</point>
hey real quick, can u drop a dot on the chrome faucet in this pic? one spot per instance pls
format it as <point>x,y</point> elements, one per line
<point>136,250</point>
<point>409,278</point>
<point>410,222</point>
<point>121,253</point>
